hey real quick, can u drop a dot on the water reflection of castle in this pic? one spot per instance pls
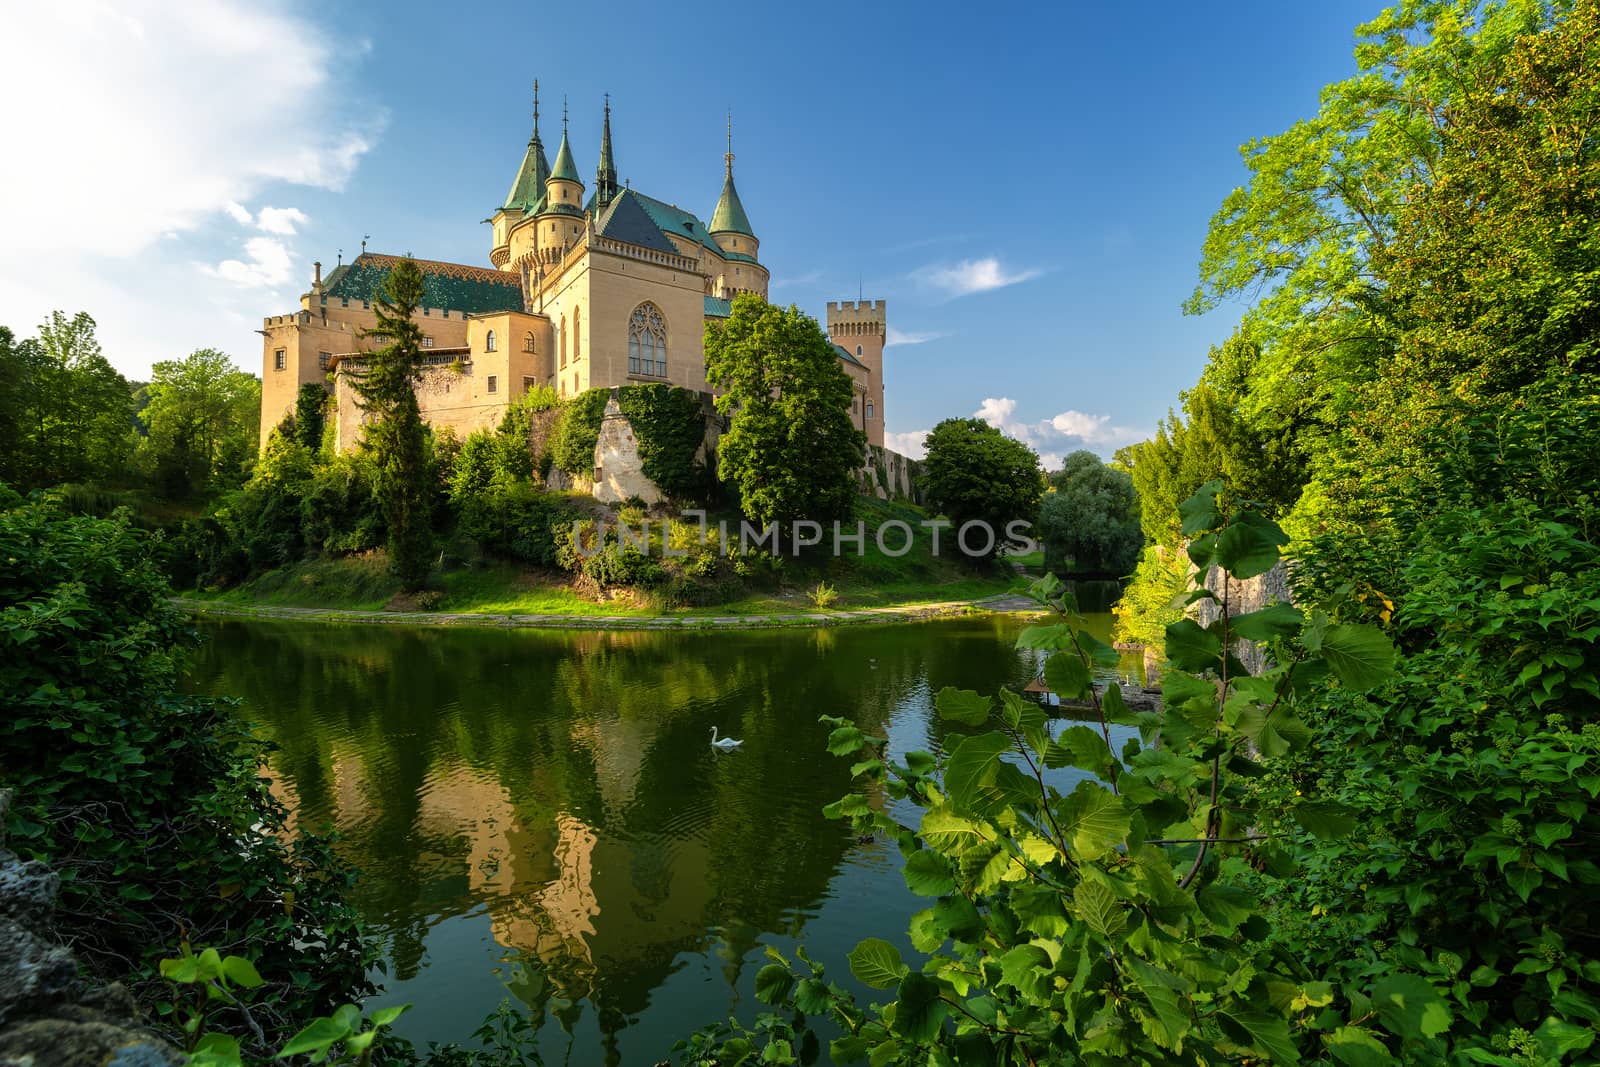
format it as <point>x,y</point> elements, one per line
<point>562,785</point>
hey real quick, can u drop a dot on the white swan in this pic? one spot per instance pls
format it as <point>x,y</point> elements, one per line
<point>725,744</point>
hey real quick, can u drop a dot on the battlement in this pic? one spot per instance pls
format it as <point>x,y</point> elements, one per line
<point>851,310</point>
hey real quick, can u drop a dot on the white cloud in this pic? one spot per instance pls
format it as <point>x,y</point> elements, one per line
<point>280,219</point>
<point>1052,438</point>
<point>974,276</point>
<point>161,118</point>
<point>912,445</point>
<point>270,265</point>
<point>903,337</point>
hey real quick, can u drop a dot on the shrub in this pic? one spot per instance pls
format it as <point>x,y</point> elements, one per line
<point>149,802</point>
<point>575,436</point>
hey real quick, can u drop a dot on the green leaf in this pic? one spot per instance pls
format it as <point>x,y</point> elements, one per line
<point>1080,746</point>
<point>385,1016</point>
<point>920,762</point>
<point>928,874</point>
<point>1067,675</point>
<point>241,972</point>
<point>1410,1007</point>
<point>315,1038</point>
<point>811,996</point>
<point>1099,909</point>
<point>849,1049</point>
<point>963,706</point>
<point>919,1014</point>
<point>1227,906</point>
<point>1358,1047</point>
<point>1324,818</point>
<point>184,970</point>
<point>1267,1033</point>
<point>971,769</point>
<point>1556,1037</point>
<point>958,918</point>
<point>1093,819</point>
<point>1274,620</point>
<point>844,740</point>
<point>1022,966</point>
<point>1361,656</point>
<point>773,983</point>
<point>877,963</point>
<point>1191,647</point>
<point>1248,548</point>
<point>1200,511</point>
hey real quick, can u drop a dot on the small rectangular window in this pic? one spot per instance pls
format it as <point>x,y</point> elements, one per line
<point>494,383</point>
<point>869,409</point>
<point>280,359</point>
<point>527,383</point>
<point>324,359</point>
<point>427,342</point>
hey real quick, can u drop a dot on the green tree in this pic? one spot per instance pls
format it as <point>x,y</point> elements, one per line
<point>1090,523</point>
<point>975,473</point>
<point>395,436</point>
<point>68,415</point>
<point>791,449</point>
<point>202,415</point>
<point>311,406</point>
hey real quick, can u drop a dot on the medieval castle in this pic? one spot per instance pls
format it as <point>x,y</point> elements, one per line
<point>584,292</point>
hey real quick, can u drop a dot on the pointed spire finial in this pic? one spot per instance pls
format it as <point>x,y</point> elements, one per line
<point>563,114</point>
<point>536,109</point>
<point>729,156</point>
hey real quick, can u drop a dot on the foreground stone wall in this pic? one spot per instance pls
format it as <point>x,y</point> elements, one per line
<point>1248,595</point>
<point>49,1017</point>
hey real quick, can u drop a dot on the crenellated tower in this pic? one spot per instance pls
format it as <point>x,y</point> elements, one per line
<point>861,329</point>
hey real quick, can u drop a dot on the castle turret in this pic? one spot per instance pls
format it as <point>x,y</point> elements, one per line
<point>605,175</point>
<point>730,226</point>
<point>561,218</point>
<point>526,197</point>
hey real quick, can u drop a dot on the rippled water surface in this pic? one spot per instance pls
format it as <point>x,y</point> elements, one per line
<point>540,815</point>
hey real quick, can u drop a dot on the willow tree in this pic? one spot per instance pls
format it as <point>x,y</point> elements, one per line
<point>395,437</point>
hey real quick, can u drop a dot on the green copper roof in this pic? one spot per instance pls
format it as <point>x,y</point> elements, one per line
<point>565,169</point>
<point>844,354</point>
<point>717,308</point>
<point>674,220</point>
<point>450,286</point>
<point>738,257</point>
<point>626,220</point>
<point>729,217</point>
<point>527,190</point>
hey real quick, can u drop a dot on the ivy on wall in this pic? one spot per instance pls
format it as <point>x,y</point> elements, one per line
<point>668,422</point>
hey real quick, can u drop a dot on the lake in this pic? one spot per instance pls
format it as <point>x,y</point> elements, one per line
<point>539,814</point>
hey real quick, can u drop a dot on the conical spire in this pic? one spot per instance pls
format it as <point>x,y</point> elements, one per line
<point>527,189</point>
<point>605,175</point>
<point>565,169</point>
<point>729,217</point>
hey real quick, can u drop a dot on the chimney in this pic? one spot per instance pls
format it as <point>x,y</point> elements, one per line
<point>316,279</point>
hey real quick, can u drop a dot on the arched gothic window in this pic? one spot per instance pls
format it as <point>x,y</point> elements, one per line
<point>488,342</point>
<point>577,335</point>
<point>563,340</point>
<point>527,341</point>
<point>647,341</point>
<point>858,350</point>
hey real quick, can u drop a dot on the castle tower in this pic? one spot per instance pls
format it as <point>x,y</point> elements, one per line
<point>605,175</point>
<point>526,198</point>
<point>860,328</point>
<point>561,219</point>
<point>730,226</point>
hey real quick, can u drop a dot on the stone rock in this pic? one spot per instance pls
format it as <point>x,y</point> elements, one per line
<point>619,469</point>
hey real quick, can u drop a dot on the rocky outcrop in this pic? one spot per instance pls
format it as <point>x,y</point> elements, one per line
<point>618,467</point>
<point>1250,594</point>
<point>49,1017</point>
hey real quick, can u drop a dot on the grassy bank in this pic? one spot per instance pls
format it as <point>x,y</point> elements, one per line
<point>873,579</point>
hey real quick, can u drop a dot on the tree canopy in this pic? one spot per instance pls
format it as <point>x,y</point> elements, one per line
<point>1089,523</point>
<point>202,416</point>
<point>791,449</point>
<point>975,473</point>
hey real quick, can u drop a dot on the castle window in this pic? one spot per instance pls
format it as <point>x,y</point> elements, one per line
<point>647,341</point>
<point>280,359</point>
<point>324,359</point>
<point>527,341</point>
<point>563,340</point>
<point>577,336</point>
<point>427,342</point>
<point>488,342</point>
<point>527,380</point>
<point>492,384</point>
<point>858,350</point>
<point>869,409</point>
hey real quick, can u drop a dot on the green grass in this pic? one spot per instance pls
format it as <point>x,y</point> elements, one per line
<point>873,579</point>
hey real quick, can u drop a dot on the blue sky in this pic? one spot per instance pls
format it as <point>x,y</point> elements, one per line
<point>1029,191</point>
